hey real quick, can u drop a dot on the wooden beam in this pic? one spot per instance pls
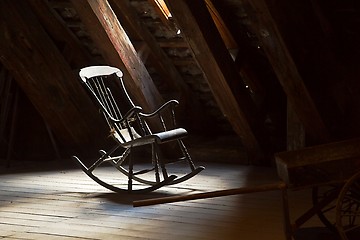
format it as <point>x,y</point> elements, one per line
<point>172,43</point>
<point>74,52</point>
<point>46,78</point>
<point>159,59</point>
<point>221,26</point>
<point>204,195</point>
<point>117,49</point>
<point>220,70</point>
<point>286,70</point>
<point>163,12</point>
<point>320,164</point>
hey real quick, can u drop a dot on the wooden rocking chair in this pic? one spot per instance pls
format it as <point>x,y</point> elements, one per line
<point>131,130</point>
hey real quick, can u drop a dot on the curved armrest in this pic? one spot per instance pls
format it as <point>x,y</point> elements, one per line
<point>127,115</point>
<point>162,107</point>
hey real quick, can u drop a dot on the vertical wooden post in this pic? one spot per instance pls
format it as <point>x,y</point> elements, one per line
<point>286,213</point>
<point>12,127</point>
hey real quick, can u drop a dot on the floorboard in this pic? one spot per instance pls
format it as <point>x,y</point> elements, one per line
<point>66,204</point>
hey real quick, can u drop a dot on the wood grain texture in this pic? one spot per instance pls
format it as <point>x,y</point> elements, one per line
<point>41,71</point>
<point>221,73</point>
<point>66,204</point>
<point>332,162</point>
<point>118,51</point>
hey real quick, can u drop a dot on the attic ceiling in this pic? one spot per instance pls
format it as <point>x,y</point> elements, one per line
<point>278,74</point>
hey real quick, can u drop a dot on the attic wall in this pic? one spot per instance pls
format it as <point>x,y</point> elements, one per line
<point>321,47</point>
<point>297,60</point>
<point>24,134</point>
<point>321,38</point>
<point>39,67</point>
<point>56,18</point>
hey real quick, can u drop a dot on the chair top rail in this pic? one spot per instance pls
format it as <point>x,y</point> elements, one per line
<point>95,71</point>
<point>97,80</point>
<point>93,78</point>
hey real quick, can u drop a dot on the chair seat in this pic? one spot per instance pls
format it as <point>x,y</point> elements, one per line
<point>159,138</point>
<point>170,135</point>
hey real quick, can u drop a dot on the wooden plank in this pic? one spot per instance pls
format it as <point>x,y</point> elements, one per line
<point>286,70</point>
<point>219,193</point>
<point>211,54</point>
<point>46,78</point>
<point>117,49</point>
<point>46,205</point>
<point>326,163</point>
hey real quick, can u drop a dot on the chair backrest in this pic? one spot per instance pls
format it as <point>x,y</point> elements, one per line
<point>105,86</point>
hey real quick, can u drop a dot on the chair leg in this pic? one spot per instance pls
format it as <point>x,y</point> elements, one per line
<point>156,152</point>
<point>194,170</point>
<point>131,169</point>
<point>102,158</point>
<point>155,162</point>
<point>122,158</point>
<point>186,154</point>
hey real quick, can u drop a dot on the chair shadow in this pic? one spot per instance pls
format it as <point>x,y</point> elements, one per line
<point>129,198</point>
<point>315,233</point>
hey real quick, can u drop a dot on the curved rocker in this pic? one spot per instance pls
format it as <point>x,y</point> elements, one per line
<point>133,129</point>
<point>120,190</point>
<point>187,176</point>
<point>175,181</point>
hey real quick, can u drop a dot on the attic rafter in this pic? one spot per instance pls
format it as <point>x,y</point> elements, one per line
<point>117,49</point>
<point>211,54</point>
<point>163,12</point>
<point>38,67</point>
<point>221,26</point>
<point>287,72</point>
<point>74,52</point>
<point>159,59</point>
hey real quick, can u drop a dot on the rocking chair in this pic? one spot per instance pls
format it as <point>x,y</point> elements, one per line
<point>131,130</point>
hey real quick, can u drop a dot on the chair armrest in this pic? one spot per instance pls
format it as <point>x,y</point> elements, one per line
<point>170,103</point>
<point>127,115</point>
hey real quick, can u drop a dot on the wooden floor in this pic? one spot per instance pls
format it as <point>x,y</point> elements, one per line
<point>66,204</point>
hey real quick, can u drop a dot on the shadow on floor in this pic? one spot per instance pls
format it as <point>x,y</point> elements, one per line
<point>128,199</point>
<point>315,233</point>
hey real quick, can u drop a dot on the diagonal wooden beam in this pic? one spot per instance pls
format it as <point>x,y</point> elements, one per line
<point>117,49</point>
<point>211,54</point>
<point>190,111</point>
<point>40,70</point>
<point>74,52</point>
<point>286,70</point>
<point>131,22</point>
<point>221,26</point>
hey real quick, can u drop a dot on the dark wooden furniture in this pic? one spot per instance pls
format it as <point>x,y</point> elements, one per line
<point>132,128</point>
<point>333,172</point>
